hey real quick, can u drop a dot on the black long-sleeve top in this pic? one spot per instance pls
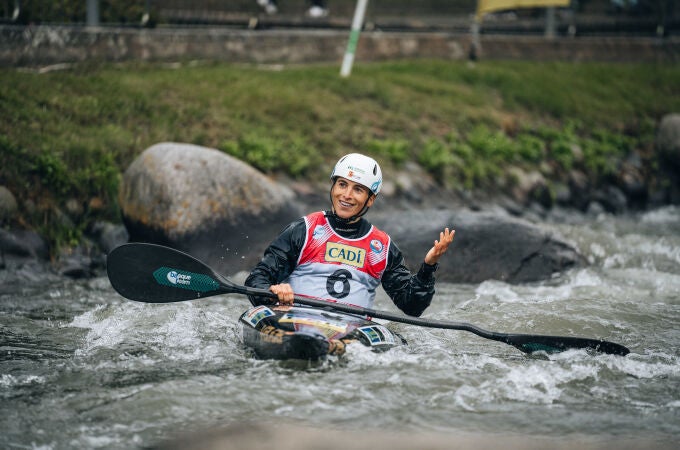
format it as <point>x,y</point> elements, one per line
<point>410,293</point>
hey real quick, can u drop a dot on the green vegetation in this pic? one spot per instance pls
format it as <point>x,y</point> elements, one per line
<point>66,136</point>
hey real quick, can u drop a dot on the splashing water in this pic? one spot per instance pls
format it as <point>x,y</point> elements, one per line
<point>82,368</point>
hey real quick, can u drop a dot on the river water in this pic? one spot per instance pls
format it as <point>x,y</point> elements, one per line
<point>82,368</point>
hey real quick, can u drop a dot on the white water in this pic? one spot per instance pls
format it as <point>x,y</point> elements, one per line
<point>82,368</point>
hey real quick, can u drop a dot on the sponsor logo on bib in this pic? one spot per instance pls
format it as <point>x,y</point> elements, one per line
<point>376,246</point>
<point>345,254</point>
<point>319,231</point>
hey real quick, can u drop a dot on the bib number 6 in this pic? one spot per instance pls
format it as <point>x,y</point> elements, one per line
<point>337,284</point>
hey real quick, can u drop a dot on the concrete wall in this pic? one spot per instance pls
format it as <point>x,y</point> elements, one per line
<point>46,45</point>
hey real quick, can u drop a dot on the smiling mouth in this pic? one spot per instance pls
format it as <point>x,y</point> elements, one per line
<point>345,204</point>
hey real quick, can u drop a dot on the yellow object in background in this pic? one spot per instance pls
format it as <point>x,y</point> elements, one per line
<point>487,6</point>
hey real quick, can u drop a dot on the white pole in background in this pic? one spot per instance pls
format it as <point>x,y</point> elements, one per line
<point>550,22</point>
<point>92,13</point>
<point>357,22</point>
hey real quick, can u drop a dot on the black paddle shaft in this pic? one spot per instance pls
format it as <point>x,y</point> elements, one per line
<point>528,343</point>
<point>153,273</point>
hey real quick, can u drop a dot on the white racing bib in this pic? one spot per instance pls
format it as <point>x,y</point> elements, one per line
<point>333,267</point>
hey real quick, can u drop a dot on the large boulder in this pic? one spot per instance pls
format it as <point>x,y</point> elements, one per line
<point>487,245</point>
<point>23,244</point>
<point>668,139</point>
<point>8,205</point>
<point>204,202</point>
<point>668,148</point>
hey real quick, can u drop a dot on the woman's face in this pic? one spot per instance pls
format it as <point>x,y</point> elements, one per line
<point>349,198</point>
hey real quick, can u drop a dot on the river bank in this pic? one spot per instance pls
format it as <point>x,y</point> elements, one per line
<point>539,136</point>
<point>25,256</point>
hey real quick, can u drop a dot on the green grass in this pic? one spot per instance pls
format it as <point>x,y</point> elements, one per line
<point>70,134</point>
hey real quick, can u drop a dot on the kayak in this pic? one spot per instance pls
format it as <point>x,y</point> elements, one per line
<point>153,273</point>
<point>294,332</point>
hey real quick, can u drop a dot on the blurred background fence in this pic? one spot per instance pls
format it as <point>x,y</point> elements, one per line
<point>49,32</point>
<point>581,18</point>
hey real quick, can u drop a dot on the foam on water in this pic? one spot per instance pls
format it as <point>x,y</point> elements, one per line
<point>531,384</point>
<point>499,291</point>
<point>647,366</point>
<point>10,381</point>
<point>650,240</point>
<point>663,216</point>
<point>177,331</point>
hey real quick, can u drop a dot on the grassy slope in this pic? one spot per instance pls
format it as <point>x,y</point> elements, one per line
<point>69,134</point>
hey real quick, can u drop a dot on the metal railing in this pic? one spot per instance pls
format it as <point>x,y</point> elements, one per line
<point>584,17</point>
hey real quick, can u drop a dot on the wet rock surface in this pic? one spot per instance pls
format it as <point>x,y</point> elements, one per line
<point>487,245</point>
<point>203,202</point>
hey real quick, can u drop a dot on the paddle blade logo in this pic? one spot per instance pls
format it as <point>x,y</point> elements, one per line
<point>173,278</point>
<point>197,282</point>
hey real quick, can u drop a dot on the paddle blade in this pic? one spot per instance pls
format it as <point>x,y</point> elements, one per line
<point>554,344</point>
<point>156,274</point>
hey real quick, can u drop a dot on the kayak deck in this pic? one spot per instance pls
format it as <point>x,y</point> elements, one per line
<point>289,332</point>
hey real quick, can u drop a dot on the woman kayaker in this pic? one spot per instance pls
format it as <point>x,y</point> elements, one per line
<point>340,256</point>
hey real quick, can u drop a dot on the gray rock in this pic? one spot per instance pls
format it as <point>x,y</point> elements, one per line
<point>632,180</point>
<point>21,250</point>
<point>204,202</point>
<point>668,139</point>
<point>529,186</point>
<point>579,188</point>
<point>486,246</point>
<point>109,236</point>
<point>8,204</point>
<point>668,148</point>
<point>595,208</point>
<point>82,261</point>
<point>612,199</point>
<point>23,243</point>
<point>76,267</point>
<point>562,194</point>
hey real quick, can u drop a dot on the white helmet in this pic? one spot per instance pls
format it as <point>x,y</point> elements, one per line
<point>361,169</point>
